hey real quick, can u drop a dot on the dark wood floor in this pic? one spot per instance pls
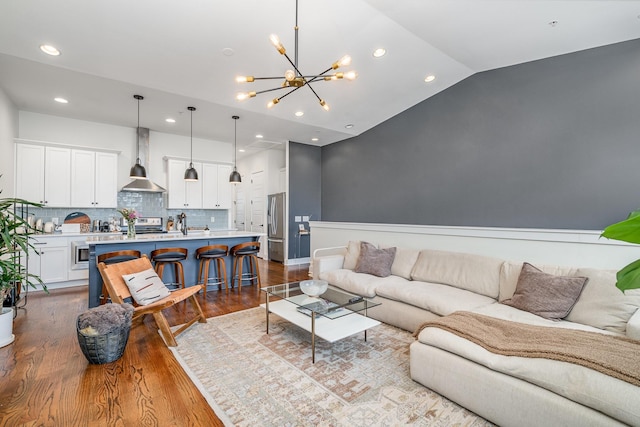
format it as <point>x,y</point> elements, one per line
<point>45,379</point>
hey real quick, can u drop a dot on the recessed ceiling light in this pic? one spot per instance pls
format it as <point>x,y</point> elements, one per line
<point>241,150</point>
<point>379,52</point>
<point>553,23</point>
<point>349,126</point>
<point>227,51</point>
<point>49,50</point>
<point>429,78</point>
<point>61,100</point>
<point>314,139</point>
<point>170,120</point>
<point>299,113</point>
<point>259,136</point>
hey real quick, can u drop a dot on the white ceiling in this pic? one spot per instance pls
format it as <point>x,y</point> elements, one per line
<point>172,53</point>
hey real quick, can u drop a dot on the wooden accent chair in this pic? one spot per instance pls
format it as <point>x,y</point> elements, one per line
<point>112,258</point>
<point>118,291</point>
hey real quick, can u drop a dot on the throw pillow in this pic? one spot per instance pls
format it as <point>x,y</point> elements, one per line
<point>546,295</point>
<point>375,261</point>
<point>352,255</point>
<point>146,287</point>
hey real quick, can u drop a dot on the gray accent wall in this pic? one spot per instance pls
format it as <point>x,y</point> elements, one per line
<point>553,143</point>
<point>304,193</point>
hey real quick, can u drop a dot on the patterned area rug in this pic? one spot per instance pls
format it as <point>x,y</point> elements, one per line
<point>251,378</point>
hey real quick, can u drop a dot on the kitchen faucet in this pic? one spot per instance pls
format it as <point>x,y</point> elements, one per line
<point>182,219</point>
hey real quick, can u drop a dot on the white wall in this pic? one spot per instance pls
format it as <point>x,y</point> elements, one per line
<point>8,131</point>
<point>579,248</point>
<point>42,127</point>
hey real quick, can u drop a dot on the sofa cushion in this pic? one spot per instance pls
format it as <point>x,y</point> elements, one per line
<point>356,283</point>
<point>375,261</point>
<point>352,255</point>
<point>434,297</point>
<point>510,272</point>
<point>603,305</point>
<point>546,295</point>
<point>404,261</point>
<point>475,273</point>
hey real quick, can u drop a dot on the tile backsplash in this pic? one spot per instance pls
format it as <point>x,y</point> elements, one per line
<point>147,204</point>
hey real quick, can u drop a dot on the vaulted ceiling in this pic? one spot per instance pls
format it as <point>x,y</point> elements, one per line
<point>182,53</point>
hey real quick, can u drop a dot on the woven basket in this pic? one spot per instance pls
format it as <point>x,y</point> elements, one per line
<point>99,349</point>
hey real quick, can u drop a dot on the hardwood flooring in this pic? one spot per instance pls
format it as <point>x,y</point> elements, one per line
<point>45,379</point>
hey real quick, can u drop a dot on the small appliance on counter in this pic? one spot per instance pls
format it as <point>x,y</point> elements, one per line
<point>145,225</point>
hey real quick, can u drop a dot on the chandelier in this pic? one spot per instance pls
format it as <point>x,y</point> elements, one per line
<point>293,78</point>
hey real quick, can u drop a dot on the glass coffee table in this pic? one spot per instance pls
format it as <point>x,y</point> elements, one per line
<point>332,316</point>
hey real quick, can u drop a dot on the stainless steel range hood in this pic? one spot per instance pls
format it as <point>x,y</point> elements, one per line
<point>143,185</point>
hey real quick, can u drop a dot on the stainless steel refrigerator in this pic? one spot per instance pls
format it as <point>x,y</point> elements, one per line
<point>276,226</point>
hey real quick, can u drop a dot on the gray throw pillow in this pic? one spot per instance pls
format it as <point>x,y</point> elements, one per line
<point>375,261</point>
<point>546,295</point>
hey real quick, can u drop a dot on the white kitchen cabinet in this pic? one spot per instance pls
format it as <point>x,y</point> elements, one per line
<point>216,188</point>
<point>51,261</point>
<point>94,179</point>
<point>43,174</point>
<point>183,194</point>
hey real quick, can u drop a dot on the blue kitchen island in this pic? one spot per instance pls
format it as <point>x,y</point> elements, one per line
<point>146,243</point>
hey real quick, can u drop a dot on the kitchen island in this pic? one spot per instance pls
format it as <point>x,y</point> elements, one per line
<point>145,243</point>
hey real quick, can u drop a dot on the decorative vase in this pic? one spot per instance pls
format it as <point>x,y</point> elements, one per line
<point>6,326</point>
<point>131,230</point>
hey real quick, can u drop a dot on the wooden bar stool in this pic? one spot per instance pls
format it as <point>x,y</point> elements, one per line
<point>171,256</point>
<point>113,258</point>
<point>245,251</point>
<point>215,253</point>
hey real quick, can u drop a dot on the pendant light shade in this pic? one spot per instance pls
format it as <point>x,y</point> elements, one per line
<point>138,171</point>
<point>191,174</point>
<point>235,178</point>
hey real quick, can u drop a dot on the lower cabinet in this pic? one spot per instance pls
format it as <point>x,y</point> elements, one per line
<point>51,261</point>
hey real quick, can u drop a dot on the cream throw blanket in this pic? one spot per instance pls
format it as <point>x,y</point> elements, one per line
<point>612,355</point>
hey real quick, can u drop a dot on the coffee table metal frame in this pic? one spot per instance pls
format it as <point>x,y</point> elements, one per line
<point>330,325</point>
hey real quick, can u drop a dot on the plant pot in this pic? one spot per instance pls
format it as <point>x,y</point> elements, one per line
<point>6,326</point>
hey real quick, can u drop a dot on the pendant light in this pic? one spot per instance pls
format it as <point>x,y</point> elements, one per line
<point>191,174</point>
<point>235,178</point>
<point>137,170</point>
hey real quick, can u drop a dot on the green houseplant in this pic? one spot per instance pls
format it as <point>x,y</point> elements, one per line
<point>14,243</point>
<point>627,231</point>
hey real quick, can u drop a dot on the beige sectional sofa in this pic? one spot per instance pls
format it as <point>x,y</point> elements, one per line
<point>507,390</point>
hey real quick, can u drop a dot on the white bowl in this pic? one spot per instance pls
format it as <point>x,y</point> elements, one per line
<point>314,288</point>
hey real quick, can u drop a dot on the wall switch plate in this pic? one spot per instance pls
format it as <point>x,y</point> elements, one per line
<point>298,218</point>
<point>54,220</point>
<point>213,219</point>
<point>305,218</point>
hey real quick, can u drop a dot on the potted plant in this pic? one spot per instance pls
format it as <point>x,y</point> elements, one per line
<point>627,231</point>
<point>14,244</point>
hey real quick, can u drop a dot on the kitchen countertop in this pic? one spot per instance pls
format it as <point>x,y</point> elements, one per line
<point>116,234</point>
<point>107,238</point>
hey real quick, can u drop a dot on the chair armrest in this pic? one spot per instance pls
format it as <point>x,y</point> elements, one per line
<point>633,326</point>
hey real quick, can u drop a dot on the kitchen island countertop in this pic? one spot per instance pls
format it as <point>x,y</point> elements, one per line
<point>192,235</point>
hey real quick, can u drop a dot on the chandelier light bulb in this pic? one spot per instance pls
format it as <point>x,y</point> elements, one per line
<point>289,75</point>
<point>241,96</point>
<point>342,62</point>
<point>351,75</point>
<point>245,79</point>
<point>272,102</point>
<point>275,41</point>
<point>324,105</point>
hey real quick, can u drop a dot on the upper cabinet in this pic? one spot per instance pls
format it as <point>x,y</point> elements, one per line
<point>43,174</point>
<point>62,176</point>
<point>211,191</point>
<point>216,188</point>
<point>94,181</point>
<point>183,194</point>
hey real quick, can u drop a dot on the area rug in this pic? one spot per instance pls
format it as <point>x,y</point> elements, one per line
<point>254,379</point>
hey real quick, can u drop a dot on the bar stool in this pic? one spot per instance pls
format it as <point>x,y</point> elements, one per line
<point>241,252</point>
<point>113,258</point>
<point>170,256</point>
<point>215,253</point>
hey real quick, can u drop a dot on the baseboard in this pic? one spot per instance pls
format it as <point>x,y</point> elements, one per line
<point>297,261</point>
